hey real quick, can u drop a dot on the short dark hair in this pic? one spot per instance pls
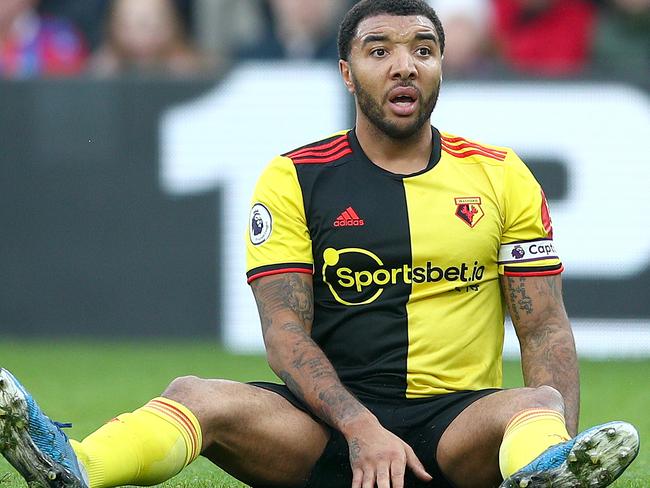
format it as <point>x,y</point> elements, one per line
<point>371,8</point>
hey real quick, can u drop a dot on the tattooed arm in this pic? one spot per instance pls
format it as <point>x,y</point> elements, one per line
<point>286,306</point>
<point>548,354</point>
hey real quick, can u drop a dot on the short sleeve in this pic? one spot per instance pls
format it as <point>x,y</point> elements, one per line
<point>527,247</point>
<point>278,239</point>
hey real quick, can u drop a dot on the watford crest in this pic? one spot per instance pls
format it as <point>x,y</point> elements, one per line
<point>469,210</point>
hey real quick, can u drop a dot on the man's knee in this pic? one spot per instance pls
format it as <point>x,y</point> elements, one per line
<point>215,403</point>
<point>204,397</point>
<point>183,387</point>
<point>545,397</point>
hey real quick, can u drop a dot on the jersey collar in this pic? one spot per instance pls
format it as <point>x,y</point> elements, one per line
<point>433,159</point>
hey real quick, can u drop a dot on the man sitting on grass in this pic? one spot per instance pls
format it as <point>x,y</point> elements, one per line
<point>380,259</point>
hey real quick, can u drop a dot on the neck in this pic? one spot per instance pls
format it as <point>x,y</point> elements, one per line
<point>399,156</point>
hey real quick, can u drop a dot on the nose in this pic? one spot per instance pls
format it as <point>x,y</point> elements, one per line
<point>403,65</point>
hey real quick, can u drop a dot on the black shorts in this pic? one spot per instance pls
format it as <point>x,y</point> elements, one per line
<point>420,422</point>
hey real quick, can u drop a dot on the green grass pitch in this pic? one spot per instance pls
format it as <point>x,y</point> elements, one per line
<point>90,383</point>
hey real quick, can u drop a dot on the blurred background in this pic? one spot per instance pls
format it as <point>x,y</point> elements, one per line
<point>132,133</point>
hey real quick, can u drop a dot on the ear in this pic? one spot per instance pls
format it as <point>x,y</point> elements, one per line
<point>346,74</point>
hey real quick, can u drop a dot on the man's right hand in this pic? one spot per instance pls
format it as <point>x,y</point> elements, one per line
<point>378,457</point>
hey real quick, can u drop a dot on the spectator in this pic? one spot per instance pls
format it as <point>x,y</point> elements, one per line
<point>299,29</point>
<point>222,26</point>
<point>468,41</point>
<point>147,37</point>
<point>622,40</point>
<point>86,15</point>
<point>545,37</point>
<point>32,45</point>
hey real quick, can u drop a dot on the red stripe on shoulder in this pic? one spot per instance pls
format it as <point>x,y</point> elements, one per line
<point>465,145</point>
<point>456,140</point>
<point>473,152</point>
<point>322,153</point>
<point>322,160</point>
<point>317,147</point>
<point>456,147</point>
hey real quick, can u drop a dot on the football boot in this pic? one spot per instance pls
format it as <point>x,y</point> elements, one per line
<point>32,443</point>
<point>592,459</point>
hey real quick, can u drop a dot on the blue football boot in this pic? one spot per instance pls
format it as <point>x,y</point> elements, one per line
<point>592,459</point>
<point>34,444</point>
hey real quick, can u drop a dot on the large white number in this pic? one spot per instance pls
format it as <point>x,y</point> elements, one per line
<point>226,137</point>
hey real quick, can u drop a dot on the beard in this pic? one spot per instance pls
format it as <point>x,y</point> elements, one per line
<point>374,112</point>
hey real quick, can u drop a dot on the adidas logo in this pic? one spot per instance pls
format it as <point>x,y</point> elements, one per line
<point>348,218</point>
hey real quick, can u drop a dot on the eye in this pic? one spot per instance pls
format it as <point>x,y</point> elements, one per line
<point>424,51</point>
<point>380,52</point>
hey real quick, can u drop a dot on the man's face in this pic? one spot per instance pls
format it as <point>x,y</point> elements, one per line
<point>394,70</point>
<point>144,30</point>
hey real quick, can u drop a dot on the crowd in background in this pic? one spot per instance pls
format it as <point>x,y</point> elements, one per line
<point>203,38</point>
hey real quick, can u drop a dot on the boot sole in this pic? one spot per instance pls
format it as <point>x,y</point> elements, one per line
<point>17,446</point>
<point>595,461</point>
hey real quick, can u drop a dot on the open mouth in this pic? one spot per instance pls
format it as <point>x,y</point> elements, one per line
<point>403,100</point>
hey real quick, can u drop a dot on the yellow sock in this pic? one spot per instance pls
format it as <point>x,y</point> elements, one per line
<point>528,434</point>
<point>144,448</point>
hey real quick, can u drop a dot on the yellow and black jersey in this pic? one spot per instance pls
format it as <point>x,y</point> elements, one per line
<point>407,301</point>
